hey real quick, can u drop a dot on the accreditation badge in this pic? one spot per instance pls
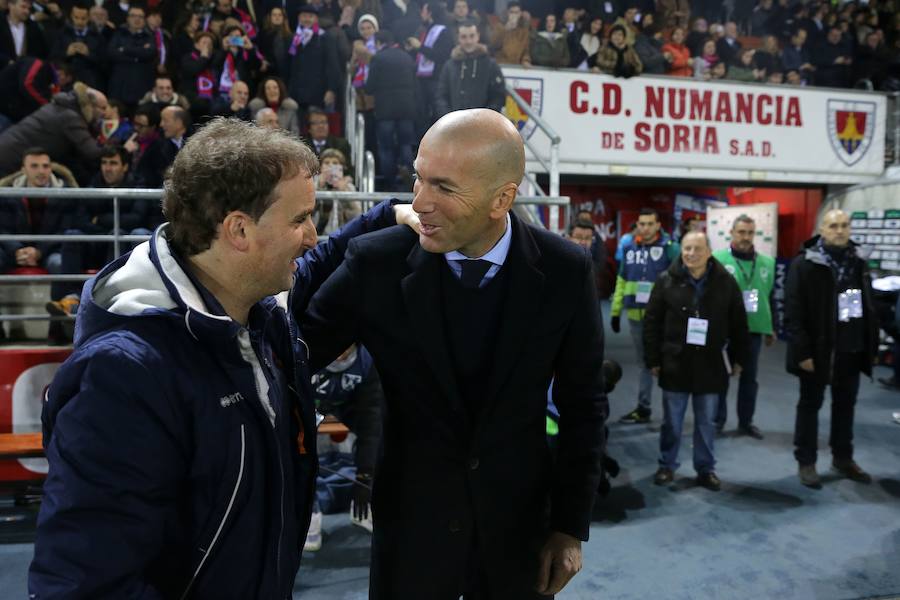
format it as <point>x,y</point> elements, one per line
<point>751,301</point>
<point>850,305</point>
<point>643,292</point>
<point>696,331</point>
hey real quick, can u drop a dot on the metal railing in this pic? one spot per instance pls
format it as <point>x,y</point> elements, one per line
<point>893,127</point>
<point>552,167</point>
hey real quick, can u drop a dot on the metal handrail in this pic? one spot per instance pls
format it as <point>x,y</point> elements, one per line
<point>350,110</point>
<point>369,172</point>
<point>895,96</point>
<point>555,140</point>
<point>359,149</point>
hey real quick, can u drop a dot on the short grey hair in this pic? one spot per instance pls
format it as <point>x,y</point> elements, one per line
<point>228,165</point>
<point>262,113</point>
<point>742,218</point>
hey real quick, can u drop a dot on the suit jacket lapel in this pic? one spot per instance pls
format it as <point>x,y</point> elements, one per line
<point>422,293</point>
<point>523,298</point>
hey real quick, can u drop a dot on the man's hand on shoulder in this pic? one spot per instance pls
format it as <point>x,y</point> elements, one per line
<point>405,215</point>
<point>560,560</point>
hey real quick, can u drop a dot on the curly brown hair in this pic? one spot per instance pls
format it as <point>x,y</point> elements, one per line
<point>228,165</point>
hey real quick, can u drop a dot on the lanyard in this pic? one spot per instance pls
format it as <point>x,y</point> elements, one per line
<point>748,279</point>
<point>843,270</point>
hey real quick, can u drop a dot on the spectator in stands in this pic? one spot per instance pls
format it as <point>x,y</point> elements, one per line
<point>19,35</point>
<point>175,123</point>
<point>146,132</point>
<point>618,58</point>
<point>199,78</point>
<point>833,338</point>
<point>27,85</point>
<point>728,46</point>
<point>272,93</point>
<point>582,233</point>
<point>693,351</point>
<point>645,258</point>
<point>266,117</point>
<point>745,68</point>
<point>796,56</point>
<point>117,11</point>
<point>649,48</point>
<point>334,177</point>
<point>364,49</point>
<point>832,61</point>
<point>704,63</point>
<point>236,105</point>
<point>132,55</point>
<point>392,82</point>
<point>319,137</point>
<point>871,63</point>
<point>162,39</point>
<point>35,216</point>
<point>62,127</point>
<point>589,43</point>
<point>627,21</point>
<point>474,158</point>
<point>760,20</point>
<point>81,47</point>
<point>792,77</point>
<point>350,389</point>
<point>315,75</point>
<point>678,55</point>
<point>462,14</point>
<point>719,71</point>
<point>101,24</point>
<point>768,57</point>
<point>274,40</point>
<point>241,62</point>
<point>510,38</point>
<point>114,127</point>
<point>96,216</point>
<point>471,78</point>
<point>697,37</point>
<point>163,94</point>
<point>673,13</point>
<point>549,47</point>
<point>432,48</point>
<point>183,37</point>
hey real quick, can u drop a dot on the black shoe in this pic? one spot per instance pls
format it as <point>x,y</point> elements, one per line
<point>849,469</point>
<point>636,416</point>
<point>663,476</point>
<point>752,431</point>
<point>709,481</point>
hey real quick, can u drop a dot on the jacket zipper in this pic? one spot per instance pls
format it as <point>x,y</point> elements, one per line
<point>215,538</point>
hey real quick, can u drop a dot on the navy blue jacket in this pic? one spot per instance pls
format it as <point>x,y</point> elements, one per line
<point>171,475</point>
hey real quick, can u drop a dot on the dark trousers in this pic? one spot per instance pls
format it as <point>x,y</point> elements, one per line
<point>395,144</point>
<point>844,389</point>
<point>747,388</point>
<point>427,91</point>
<point>76,258</point>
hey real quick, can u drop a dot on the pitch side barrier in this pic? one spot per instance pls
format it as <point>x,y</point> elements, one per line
<point>119,239</point>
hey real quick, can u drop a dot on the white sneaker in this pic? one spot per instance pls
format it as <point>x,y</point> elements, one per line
<point>364,523</point>
<point>314,535</point>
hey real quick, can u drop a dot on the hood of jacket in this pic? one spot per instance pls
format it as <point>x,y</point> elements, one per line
<point>149,282</point>
<point>810,251</point>
<point>60,176</point>
<point>458,54</point>
<point>77,100</point>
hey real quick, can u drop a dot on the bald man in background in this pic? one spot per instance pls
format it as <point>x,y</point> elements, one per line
<point>830,318</point>
<point>468,323</point>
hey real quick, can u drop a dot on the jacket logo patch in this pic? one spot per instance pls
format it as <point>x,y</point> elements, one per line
<point>730,269</point>
<point>226,401</point>
<point>349,381</point>
<point>764,273</point>
<point>656,253</point>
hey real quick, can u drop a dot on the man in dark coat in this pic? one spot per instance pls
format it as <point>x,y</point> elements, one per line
<point>315,76</point>
<point>132,56</point>
<point>319,136</point>
<point>174,122</point>
<point>468,323</point>
<point>81,47</point>
<point>695,336</point>
<point>832,60</point>
<point>17,18</point>
<point>62,127</point>
<point>833,331</point>
<point>392,81</point>
<point>27,85</point>
<point>471,78</point>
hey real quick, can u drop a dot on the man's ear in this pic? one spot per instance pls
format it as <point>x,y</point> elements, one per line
<point>235,230</point>
<point>504,199</point>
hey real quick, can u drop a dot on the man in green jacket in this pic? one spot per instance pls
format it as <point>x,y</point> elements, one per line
<point>755,276</point>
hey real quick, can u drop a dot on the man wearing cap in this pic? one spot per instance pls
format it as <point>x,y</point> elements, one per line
<point>755,276</point>
<point>315,72</point>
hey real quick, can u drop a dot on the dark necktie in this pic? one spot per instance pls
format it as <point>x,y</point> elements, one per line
<point>473,272</point>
